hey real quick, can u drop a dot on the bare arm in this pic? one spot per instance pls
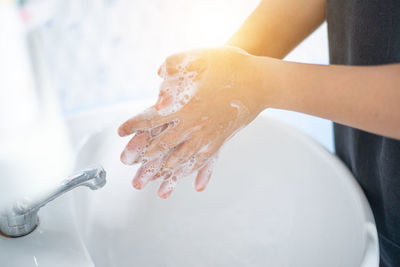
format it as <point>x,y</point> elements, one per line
<point>277,26</point>
<point>364,97</point>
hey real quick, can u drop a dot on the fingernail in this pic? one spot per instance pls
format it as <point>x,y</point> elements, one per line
<point>137,184</point>
<point>166,195</point>
<point>200,189</point>
<point>121,132</point>
<point>162,71</point>
<point>129,157</point>
<point>142,177</point>
<point>145,173</point>
<point>167,186</point>
<point>201,182</point>
<point>203,176</point>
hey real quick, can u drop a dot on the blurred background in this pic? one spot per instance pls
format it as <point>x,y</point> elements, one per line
<point>105,52</point>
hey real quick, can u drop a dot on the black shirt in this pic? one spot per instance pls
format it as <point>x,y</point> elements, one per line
<point>367,32</point>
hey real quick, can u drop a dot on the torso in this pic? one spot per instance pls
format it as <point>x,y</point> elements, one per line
<point>368,33</point>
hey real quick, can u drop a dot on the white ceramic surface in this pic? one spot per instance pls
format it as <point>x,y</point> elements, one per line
<point>54,243</point>
<point>276,199</point>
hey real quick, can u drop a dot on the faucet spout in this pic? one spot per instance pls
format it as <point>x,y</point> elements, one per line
<point>21,218</point>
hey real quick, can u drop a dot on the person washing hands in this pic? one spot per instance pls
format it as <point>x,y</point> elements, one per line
<point>208,95</point>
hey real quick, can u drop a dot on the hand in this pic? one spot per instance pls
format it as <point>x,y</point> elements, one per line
<point>206,96</point>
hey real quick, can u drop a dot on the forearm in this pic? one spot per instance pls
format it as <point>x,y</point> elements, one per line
<point>277,26</point>
<point>364,97</point>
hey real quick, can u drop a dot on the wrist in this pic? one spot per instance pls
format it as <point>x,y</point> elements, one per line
<point>267,83</point>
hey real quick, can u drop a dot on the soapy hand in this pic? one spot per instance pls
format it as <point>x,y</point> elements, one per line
<point>204,100</point>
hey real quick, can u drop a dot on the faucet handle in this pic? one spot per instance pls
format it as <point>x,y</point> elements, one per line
<point>94,178</point>
<point>21,217</point>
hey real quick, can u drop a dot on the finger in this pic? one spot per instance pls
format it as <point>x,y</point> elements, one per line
<point>173,177</point>
<point>195,159</point>
<point>180,63</point>
<point>171,180</point>
<point>153,133</point>
<point>146,172</point>
<point>181,154</point>
<point>164,143</point>
<point>204,175</point>
<point>164,100</point>
<point>146,120</point>
<point>169,184</point>
<point>206,154</point>
<point>160,175</point>
<point>162,71</point>
<point>158,130</point>
<point>167,95</point>
<point>175,64</point>
<point>134,148</point>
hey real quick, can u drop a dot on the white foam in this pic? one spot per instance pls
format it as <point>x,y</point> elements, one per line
<point>240,107</point>
<point>180,87</point>
<point>148,113</point>
<point>205,148</point>
<point>240,121</point>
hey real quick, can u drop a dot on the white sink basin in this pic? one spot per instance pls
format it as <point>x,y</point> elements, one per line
<point>276,198</point>
<point>54,243</point>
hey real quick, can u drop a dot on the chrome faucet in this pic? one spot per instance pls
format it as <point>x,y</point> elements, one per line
<point>35,132</point>
<point>21,218</point>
